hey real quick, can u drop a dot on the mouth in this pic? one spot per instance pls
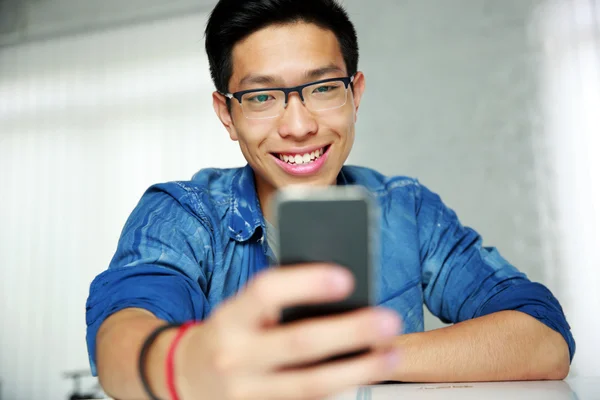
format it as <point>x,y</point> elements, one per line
<point>301,159</point>
<point>303,164</point>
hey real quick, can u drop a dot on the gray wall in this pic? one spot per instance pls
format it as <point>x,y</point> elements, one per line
<point>451,99</point>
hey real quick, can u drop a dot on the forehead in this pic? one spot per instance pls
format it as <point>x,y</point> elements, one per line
<point>285,52</point>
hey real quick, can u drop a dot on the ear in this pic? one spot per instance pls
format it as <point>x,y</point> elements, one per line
<point>359,89</point>
<point>222,111</point>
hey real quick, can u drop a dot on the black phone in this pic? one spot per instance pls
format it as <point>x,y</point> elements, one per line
<point>336,224</point>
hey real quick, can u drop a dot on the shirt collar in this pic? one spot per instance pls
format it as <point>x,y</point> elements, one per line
<point>245,214</point>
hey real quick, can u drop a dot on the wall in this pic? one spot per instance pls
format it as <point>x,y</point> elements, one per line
<point>88,122</point>
<point>570,189</point>
<point>452,100</point>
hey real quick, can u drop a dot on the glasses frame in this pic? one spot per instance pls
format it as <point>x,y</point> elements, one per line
<point>347,80</point>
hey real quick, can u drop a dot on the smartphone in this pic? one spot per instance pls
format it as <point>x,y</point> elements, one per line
<point>337,224</point>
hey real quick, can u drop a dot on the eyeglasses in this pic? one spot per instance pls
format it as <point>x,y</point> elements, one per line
<point>327,94</point>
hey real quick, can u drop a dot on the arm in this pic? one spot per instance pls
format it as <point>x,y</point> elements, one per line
<point>118,343</point>
<point>503,346</point>
<point>155,277</point>
<point>506,327</point>
<point>240,351</point>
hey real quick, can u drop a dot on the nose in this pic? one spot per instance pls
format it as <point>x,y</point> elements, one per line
<point>297,121</point>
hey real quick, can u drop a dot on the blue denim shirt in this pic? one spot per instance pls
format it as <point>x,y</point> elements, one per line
<point>188,246</point>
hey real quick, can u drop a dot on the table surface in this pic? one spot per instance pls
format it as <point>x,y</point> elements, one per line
<point>580,388</point>
<point>572,389</point>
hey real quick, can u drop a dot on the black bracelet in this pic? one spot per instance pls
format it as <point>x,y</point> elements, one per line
<point>144,355</point>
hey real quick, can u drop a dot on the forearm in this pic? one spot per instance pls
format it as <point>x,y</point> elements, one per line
<point>508,345</point>
<point>118,345</point>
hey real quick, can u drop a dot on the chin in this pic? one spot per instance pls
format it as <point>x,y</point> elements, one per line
<point>317,180</point>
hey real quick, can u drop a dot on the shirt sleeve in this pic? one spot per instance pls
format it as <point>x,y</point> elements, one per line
<point>157,266</point>
<point>462,279</point>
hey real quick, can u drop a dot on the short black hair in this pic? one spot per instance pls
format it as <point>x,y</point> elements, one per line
<point>234,20</point>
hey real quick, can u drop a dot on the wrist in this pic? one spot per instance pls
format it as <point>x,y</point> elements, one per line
<point>182,355</point>
<point>151,360</point>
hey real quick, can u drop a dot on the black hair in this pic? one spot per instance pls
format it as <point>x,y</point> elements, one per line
<point>234,20</point>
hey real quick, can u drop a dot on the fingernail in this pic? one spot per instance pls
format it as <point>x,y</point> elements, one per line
<point>341,280</point>
<point>389,324</point>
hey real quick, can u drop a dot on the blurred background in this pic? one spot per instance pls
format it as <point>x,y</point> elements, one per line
<point>492,104</point>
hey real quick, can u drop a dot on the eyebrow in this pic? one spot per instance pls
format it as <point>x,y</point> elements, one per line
<point>272,80</point>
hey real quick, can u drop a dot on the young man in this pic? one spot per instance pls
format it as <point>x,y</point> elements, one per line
<point>200,250</point>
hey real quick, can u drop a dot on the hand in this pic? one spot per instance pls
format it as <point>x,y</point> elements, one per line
<point>241,352</point>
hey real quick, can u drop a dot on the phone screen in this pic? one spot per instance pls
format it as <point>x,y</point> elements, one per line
<point>337,229</point>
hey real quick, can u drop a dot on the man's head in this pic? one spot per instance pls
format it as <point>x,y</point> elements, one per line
<point>265,44</point>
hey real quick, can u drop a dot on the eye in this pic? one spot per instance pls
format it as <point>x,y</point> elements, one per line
<point>260,98</point>
<point>324,89</point>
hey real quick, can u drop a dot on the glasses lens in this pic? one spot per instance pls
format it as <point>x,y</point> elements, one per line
<point>317,97</point>
<point>259,105</point>
<point>325,96</point>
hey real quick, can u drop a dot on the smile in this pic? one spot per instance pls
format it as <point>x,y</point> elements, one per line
<point>303,163</point>
<point>299,159</point>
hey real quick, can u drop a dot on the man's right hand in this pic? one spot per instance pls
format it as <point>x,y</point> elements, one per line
<point>240,351</point>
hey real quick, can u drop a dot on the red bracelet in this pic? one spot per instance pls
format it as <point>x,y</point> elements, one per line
<point>170,367</point>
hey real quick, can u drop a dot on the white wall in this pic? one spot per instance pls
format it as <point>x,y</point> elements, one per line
<point>571,180</point>
<point>88,122</point>
<point>86,125</point>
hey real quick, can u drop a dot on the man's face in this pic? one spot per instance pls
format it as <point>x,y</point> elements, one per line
<point>287,56</point>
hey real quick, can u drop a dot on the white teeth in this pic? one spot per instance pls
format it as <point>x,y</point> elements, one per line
<point>302,158</point>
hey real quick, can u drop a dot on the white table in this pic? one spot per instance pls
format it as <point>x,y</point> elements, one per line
<point>571,389</point>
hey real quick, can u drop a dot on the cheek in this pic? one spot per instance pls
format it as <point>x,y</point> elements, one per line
<point>252,135</point>
<point>342,124</point>
<point>351,123</point>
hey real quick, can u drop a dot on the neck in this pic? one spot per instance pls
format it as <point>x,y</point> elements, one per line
<point>265,194</point>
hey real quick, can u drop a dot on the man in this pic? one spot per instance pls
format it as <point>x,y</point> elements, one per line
<point>200,250</point>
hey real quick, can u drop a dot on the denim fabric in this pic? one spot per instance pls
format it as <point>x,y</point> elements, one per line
<point>190,245</point>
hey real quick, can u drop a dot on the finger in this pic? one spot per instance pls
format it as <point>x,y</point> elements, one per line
<point>324,380</point>
<point>271,291</point>
<point>318,339</point>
